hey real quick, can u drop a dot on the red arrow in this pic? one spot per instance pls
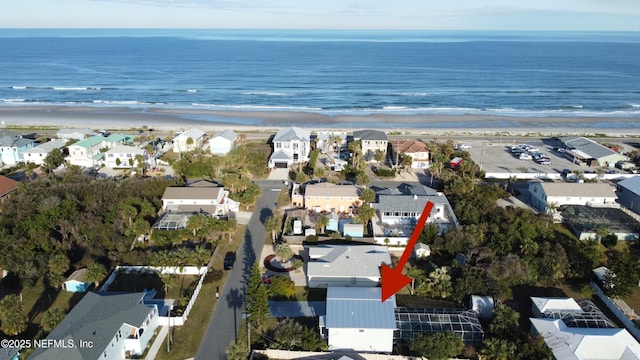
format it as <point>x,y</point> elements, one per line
<point>392,279</point>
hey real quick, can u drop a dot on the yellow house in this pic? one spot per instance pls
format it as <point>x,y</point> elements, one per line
<point>331,197</point>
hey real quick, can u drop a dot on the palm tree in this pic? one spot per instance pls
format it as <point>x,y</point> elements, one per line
<point>415,273</point>
<point>435,170</point>
<point>284,252</point>
<point>238,350</point>
<point>271,224</point>
<point>189,142</point>
<point>365,214</point>
<point>368,195</point>
<point>96,272</point>
<point>141,164</point>
<point>51,318</point>
<point>322,222</point>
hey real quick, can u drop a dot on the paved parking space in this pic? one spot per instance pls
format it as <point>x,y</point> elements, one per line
<point>279,174</point>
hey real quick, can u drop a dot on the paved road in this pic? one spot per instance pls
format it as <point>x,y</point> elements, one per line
<point>225,321</point>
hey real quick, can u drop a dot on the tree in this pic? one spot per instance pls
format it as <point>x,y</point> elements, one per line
<point>435,169</point>
<point>437,284</point>
<point>96,272</point>
<point>51,318</point>
<point>366,213</point>
<point>58,265</point>
<point>118,162</point>
<point>498,349</point>
<point>257,297</point>
<point>54,159</point>
<point>505,319</point>
<point>610,240</point>
<point>281,287</point>
<point>141,164</point>
<point>437,346</point>
<point>271,224</point>
<point>189,142</point>
<point>417,275</point>
<point>321,223</point>
<point>284,252</point>
<point>378,155</point>
<point>291,335</point>
<point>623,275</point>
<point>128,212</point>
<point>238,350</point>
<point>12,316</point>
<point>368,195</point>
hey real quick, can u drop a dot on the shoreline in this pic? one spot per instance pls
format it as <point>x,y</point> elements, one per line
<point>166,119</point>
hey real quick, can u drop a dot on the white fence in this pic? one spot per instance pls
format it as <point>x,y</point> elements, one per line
<point>185,270</point>
<point>619,314</point>
<point>285,354</point>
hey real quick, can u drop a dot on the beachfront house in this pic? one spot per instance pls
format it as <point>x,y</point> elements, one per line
<point>400,208</point>
<point>124,156</point>
<point>346,265</point>
<point>37,154</point>
<point>223,142</point>
<point>290,146</point>
<point>356,320</point>
<point>330,197</point>
<point>629,193</point>
<point>75,134</point>
<point>89,152</point>
<point>371,141</point>
<point>7,186</point>
<point>12,147</point>
<point>189,140</point>
<point>417,150</point>
<point>116,325</point>
<point>547,194</point>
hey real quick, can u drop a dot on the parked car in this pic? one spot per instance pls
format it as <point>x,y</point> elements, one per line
<point>525,156</point>
<point>544,162</point>
<point>229,260</point>
<point>464,146</point>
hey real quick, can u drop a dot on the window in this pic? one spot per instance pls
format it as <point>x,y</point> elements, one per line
<point>278,145</point>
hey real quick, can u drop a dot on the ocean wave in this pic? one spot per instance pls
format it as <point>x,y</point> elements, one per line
<point>13,100</point>
<point>19,87</point>
<point>75,88</point>
<point>192,90</point>
<point>256,107</point>
<point>266,93</point>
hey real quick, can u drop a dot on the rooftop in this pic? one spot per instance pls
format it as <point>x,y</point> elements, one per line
<point>226,134</point>
<point>193,133</point>
<point>555,304</point>
<point>587,146</point>
<point>369,135</point>
<point>292,133</point>
<point>347,260</point>
<point>191,193</point>
<point>632,184</point>
<point>7,185</point>
<point>48,146</point>
<point>329,189</point>
<point>587,190</point>
<point>360,308</point>
<point>409,146</point>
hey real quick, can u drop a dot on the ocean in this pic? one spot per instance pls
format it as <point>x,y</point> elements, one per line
<point>532,74</point>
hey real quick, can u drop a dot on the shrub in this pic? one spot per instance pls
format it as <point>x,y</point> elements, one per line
<point>385,172</point>
<point>312,239</point>
<point>281,287</point>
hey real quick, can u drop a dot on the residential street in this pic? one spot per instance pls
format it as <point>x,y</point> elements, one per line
<point>225,321</point>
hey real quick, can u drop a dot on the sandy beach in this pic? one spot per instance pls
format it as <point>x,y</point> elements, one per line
<point>168,119</point>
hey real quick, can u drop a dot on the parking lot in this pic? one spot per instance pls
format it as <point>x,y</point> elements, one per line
<point>497,160</point>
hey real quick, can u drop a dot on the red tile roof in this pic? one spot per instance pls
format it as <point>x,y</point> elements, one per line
<point>7,185</point>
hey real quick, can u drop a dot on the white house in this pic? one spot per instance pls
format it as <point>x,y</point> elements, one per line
<point>357,320</point>
<point>371,141</point>
<point>345,265</point>
<point>223,142</point>
<point>36,155</point>
<point>124,156</point>
<point>89,152</point>
<point>290,146</point>
<point>593,194</point>
<point>201,196</point>
<point>181,143</point>
<point>74,134</point>
<point>417,150</point>
<point>404,204</point>
<point>575,343</point>
<point>103,326</point>
<point>12,147</point>
<point>421,251</point>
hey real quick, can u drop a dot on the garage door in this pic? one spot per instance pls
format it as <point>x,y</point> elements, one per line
<point>281,165</point>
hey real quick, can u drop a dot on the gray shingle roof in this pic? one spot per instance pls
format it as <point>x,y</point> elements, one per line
<point>588,146</point>
<point>48,146</point>
<point>369,135</point>
<point>407,203</point>
<point>188,192</point>
<point>97,318</point>
<point>347,260</point>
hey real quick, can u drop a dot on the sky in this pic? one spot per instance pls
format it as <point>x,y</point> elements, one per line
<point>585,15</point>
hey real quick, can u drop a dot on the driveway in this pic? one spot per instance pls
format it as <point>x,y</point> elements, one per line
<point>282,309</point>
<point>279,174</point>
<point>223,326</point>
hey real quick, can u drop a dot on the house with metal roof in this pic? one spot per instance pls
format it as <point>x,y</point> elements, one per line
<point>545,194</point>
<point>371,141</point>
<point>403,205</point>
<point>589,151</point>
<point>37,154</point>
<point>106,326</point>
<point>74,134</point>
<point>222,142</point>
<point>290,146</point>
<point>629,193</point>
<point>345,265</point>
<point>577,343</point>
<point>357,320</point>
<point>89,152</point>
<point>189,140</point>
<point>12,147</point>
